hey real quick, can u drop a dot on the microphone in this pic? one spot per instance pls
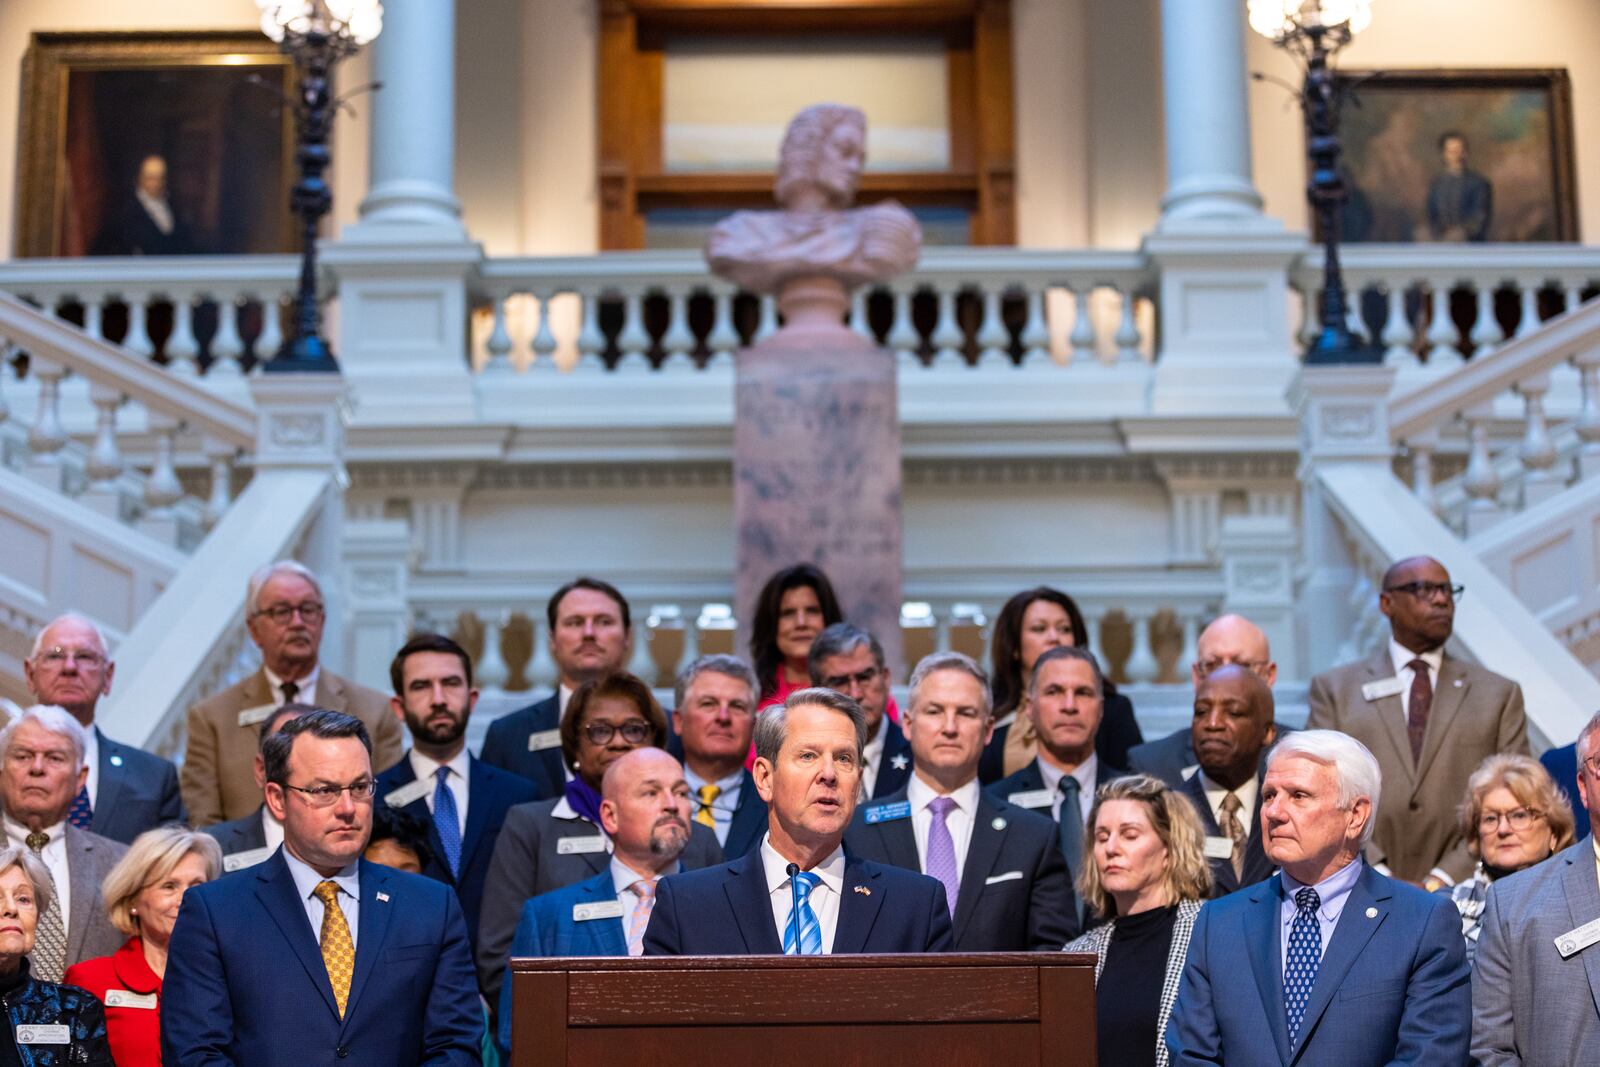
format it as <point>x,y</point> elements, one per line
<point>793,870</point>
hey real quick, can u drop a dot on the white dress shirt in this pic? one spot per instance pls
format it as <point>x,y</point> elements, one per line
<point>824,898</point>
<point>54,856</point>
<point>271,829</point>
<point>305,694</point>
<point>1085,773</point>
<point>306,881</point>
<point>425,767</point>
<point>159,210</point>
<point>91,758</point>
<point>623,878</point>
<point>872,758</point>
<point>959,820</point>
<point>723,807</point>
<point>1401,656</point>
<point>1215,794</point>
<point>563,696</point>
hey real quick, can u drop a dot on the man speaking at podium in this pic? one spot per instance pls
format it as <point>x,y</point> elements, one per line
<point>798,893</point>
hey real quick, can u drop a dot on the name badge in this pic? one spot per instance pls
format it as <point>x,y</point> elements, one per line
<point>1387,687</point>
<point>888,812</point>
<point>238,861</point>
<point>1573,942</point>
<point>257,715</point>
<point>1031,798</point>
<point>600,909</point>
<point>543,739</point>
<point>124,998</point>
<point>580,846</point>
<point>399,798</point>
<point>51,1034</point>
<point>1219,848</point>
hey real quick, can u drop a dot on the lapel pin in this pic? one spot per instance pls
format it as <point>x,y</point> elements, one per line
<point>384,897</point>
<point>1372,913</point>
<point>900,763</point>
<point>116,761</point>
<point>1458,683</point>
<point>863,890</point>
<point>999,822</point>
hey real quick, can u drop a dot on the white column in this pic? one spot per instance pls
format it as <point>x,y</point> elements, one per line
<point>1207,114</point>
<point>413,155</point>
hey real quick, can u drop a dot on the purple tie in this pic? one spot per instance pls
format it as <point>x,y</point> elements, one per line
<point>942,850</point>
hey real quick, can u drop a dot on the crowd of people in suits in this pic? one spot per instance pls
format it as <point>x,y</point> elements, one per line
<point>332,875</point>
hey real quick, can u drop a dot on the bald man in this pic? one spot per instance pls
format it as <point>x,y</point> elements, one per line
<point>1403,702</point>
<point>1230,639</point>
<point>1232,729</point>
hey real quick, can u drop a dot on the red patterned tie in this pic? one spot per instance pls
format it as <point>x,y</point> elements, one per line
<point>1417,711</point>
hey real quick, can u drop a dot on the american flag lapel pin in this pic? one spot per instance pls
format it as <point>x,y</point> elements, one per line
<point>863,890</point>
<point>384,897</point>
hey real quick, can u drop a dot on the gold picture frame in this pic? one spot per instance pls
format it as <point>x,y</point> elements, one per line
<point>211,104</point>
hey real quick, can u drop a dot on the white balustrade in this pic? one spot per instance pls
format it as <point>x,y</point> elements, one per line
<point>642,664</point>
<point>492,672</point>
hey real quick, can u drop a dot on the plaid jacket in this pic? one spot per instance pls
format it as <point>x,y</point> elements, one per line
<point>1470,896</point>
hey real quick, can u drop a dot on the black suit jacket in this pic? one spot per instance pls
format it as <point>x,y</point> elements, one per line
<point>727,911</point>
<point>490,794</point>
<point>1015,895</point>
<point>892,779</point>
<point>1166,757</point>
<point>137,792</point>
<point>1119,733</point>
<point>749,820</point>
<point>1031,778</point>
<point>506,746</point>
<point>238,835</point>
<point>1257,868</point>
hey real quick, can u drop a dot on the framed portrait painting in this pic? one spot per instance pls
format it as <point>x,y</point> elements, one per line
<point>1458,156</point>
<point>155,144</point>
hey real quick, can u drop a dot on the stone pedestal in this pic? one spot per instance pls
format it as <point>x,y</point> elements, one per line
<point>816,465</point>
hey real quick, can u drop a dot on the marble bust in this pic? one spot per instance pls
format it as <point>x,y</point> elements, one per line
<point>817,241</point>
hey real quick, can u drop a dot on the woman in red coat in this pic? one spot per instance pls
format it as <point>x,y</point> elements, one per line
<point>142,894</point>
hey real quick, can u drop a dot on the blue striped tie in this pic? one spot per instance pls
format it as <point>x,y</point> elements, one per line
<point>810,928</point>
<point>447,821</point>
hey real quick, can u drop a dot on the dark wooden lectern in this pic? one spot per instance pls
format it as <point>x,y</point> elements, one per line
<point>1016,1009</point>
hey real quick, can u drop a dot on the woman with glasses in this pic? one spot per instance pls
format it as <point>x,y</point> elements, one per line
<point>142,895</point>
<point>1513,816</point>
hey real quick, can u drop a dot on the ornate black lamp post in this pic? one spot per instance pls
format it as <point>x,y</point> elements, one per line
<point>1313,31</point>
<point>317,34</point>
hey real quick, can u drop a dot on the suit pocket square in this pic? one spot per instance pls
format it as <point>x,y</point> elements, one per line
<point>1009,876</point>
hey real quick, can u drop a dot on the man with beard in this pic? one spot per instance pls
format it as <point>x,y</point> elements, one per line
<point>462,800</point>
<point>646,813</point>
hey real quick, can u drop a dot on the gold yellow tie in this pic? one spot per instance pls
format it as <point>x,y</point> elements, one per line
<point>338,954</point>
<point>708,796</point>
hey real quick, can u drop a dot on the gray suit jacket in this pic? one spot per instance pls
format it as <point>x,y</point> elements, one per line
<point>1528,1004</point>
<point>1476,713</point>
<point>529,860</point>
<point>218,782</point>
<point>90,858</point>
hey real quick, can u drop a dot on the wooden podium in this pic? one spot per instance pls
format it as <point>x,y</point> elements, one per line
<point>1017,1009</point>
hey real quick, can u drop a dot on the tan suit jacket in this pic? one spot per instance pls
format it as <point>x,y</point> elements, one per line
<point>218,779</point>
<point>1476,713</point>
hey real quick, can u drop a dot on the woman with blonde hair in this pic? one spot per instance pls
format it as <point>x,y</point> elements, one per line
<point>142,894</point>
<point>1145,871</point>
<point>1513,816</point>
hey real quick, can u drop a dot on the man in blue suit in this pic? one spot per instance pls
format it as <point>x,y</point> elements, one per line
<point>1342,966</point>
<point>461,800</point>
<point>798,893</point>
<point>646,814</point>
<point>317,956</point>
<point>129,790</point>
<point>714,720</point>
<point>591,634</point>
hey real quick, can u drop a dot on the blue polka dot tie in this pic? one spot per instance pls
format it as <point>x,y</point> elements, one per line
<point>804,921</point>
<point>1305,954</point>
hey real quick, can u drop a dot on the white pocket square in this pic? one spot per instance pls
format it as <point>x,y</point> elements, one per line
<point>1009,876</point>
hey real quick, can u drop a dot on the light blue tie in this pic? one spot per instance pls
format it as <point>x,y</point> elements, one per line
<point>810,928</point>
<point>446,821</point>
<point>1305,955</point>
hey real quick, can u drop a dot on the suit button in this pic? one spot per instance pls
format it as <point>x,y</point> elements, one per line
<point>342,1052</point>
<point>1415,806</point>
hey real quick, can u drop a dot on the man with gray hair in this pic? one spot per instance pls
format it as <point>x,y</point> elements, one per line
<point>714,718</point>
<point>284,612</point>
<point>1341,965</point>
<point>1001,866</point>
<point>1537,949</point>
<point>798,893</point>
<point>42,769</point>
<point>128,790</point>
<point>849,660</point>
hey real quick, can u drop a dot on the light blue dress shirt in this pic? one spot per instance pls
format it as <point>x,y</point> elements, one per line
<point>306,881</point>
<point>1333,892</point>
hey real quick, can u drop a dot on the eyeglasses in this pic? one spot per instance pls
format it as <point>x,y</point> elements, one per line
<point>326,796</point>
<point>56,658</point>
<point>842,681</point>
<point>635,732</point>
<point>1520,819</point>
<point>1205,667</point>
<point>310,611</point>
<point>1429,590</point>
<point>1593,764</point>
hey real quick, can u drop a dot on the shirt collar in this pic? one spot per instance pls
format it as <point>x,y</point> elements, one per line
<point>1332,891</point>
<point>875,745</point>
<point>921,794</point>
<point>727,785</point>
<point>623,876</point>
<point>1084,772</point>
<point>425,767</point>
<point>18,833</point>
<point>1401,657</point>
<point>306,879</point>
<point>308,685</point>
<point>1246,794</point>
<point>830,870</point>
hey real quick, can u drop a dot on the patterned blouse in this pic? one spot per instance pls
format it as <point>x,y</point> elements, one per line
<point>1470,898</point>
<point>29,1002</point>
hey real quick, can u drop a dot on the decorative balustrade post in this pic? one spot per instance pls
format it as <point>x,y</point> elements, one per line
<point>947,337</point>
<point>1486,333</point>
<point>182,349</point>
<point>1541,478</point>
<point>1443,353</point>
<point>226,345</point>
<point>1142,666</point>
<point>542,672</point>
<point>1422,448</point>
<point>1481,482</point>
<point>1035,336</point>
<point>104,462</point>
<point>691,639</point>
<point>678,341</point>
<point>591,339</point>
<point>993,339</point>
<point>633,341</point>
<point>1082,338</point>
<point>1398,337</point>
<point>903,337</point>
<point>221,458</point>
<point>642,664</point>
<point>492,670</point>
<point>498,345</point>
<point>544,338</point>
<point>723,338</point>
<point>47,437</point>
<point>137,339</point>
<point>1587,425</point>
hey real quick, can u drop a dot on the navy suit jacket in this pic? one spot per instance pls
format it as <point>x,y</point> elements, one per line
<point>892,779</point>
<point>1014,893</point>
<point>490,794</point>
<point>1562,763</point>
<point>1257,868</point>
<point>1031,779</point>
<point>506,746</point>
<point>1393,986</point>
<point>749,821</point>
<point>727,911</point>
<point>246,985</point>
<point>239,835</point>
<point>136,792</point>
